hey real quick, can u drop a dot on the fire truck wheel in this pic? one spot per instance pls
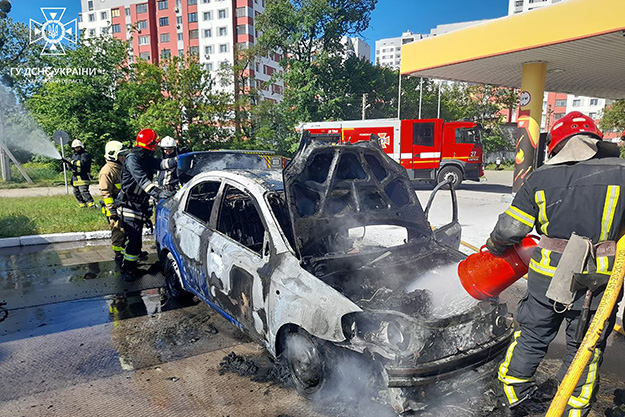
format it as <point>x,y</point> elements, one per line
<point>450,172</point>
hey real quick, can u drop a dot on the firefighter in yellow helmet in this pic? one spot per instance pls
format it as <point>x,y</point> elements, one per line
<point>110,180</point>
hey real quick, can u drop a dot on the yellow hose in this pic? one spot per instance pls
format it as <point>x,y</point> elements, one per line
<point>618,328</point>
<point>587,348</point>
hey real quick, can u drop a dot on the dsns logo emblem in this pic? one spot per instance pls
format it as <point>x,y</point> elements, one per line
<point>52,32</point>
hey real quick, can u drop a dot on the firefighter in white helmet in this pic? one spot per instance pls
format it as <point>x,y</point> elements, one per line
<point>81,167</point>
<point>168,178</point>
<point>110,180</point>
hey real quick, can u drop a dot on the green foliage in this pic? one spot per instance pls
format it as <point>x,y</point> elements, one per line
<point>15,52</point>
<point>85,105</point>
<point>177,98</point>
<point>614,116</point>
<point>39,215</point>
<point>42,173</point>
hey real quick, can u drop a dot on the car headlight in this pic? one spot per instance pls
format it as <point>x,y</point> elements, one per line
<point>396,336</point>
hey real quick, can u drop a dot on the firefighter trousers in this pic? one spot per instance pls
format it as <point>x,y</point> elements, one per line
<point>117,235</point>
<point>133,233</point>
<point>539,325</point>
<point>82,194</point>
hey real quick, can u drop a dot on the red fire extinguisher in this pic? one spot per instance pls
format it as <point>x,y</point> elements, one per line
<point>485,275</point>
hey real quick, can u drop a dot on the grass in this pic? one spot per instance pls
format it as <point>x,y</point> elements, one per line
<point>42,215</point>
<point>43,174</point>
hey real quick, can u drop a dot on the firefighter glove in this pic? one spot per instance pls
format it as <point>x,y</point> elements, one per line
<point>67,161</point>
<point>113,217</point>
<point>494,248</point>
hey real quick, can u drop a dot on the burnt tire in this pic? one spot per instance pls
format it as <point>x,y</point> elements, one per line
<point>171,271</point>
<point>450,172</point>
<point>306,358</point>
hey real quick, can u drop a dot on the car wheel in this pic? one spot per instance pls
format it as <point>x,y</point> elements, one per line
<point>306,361</point>
<point>452,173</point>
<point>172,279</point>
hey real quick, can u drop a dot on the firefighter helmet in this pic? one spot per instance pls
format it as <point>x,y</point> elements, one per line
<point>112,150</point>
<point>77,144</point>
<point>167,142</point>
<point>147,139</point>
<point>572,124</point>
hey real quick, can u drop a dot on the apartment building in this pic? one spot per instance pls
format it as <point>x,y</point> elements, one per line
<point>357,47</point>
<point>521,6</point>
<point>209,29</point>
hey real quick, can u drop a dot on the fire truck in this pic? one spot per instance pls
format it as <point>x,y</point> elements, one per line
<point>430,149</point>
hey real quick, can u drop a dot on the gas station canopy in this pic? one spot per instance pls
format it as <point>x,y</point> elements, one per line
<point>582,43</point>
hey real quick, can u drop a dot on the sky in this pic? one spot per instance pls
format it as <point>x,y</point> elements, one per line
<point>389,19</point>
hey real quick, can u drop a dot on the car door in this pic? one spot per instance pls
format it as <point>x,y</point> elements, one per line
<point>189,229</point>
<point>238,250</point>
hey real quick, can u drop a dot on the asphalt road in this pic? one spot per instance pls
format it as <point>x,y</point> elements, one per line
<point>77,341</point>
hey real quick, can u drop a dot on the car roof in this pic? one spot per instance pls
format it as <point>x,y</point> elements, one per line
<point>270,179</point>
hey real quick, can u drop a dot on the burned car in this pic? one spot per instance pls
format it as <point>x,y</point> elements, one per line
<point>333,254</point>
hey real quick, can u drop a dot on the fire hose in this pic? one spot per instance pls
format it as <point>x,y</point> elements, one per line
<point>587,348</point>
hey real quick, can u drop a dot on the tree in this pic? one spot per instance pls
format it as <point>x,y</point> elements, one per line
<point>179,98</point>
<point>84,103</point>
<point>614,116</point>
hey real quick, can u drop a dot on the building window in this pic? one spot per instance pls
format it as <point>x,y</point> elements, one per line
<point>142,24</point>
<point>577,102</point>
<point>593,115</point>
<point>144,40</point>
<point>241,12</point>
<point>194,50</point>
<point>206,1</point>
<point>558,116</point>
<point>560,103</point>
<point>79,17</point>
<point>104,15</point>
<point>241,29</point>
<point>142,8</point>
<point>209,66</point>
<point>178,4</point>
<point>208,33</point>
<point>127,11</point>
<point>166,53</point>
<point>180,37</point>
<point>192,17</point>
<point>223,47</point>
<point>223,31</point>
<point>92,17</point>
<point>145,56</point>
<point>117,28</point>
<point>90,5</point>
<point>163,21</point>
<point>594,101</point>
<point>222,13</point>
<point>193,34</point>
<point>163,5</point>
<point>208,49</point>
<point>191,2</point>
<point>91,33</point>
<point>180,52</point>
<point>207,16</point>
<point>116,12</point>
<point>179,20</point>
<point>164,37</point>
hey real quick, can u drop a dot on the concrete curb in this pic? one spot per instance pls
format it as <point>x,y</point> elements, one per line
<point>31,240</point>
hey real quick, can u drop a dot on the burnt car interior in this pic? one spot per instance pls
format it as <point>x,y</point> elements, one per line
<point>239,219</point>
<point>201,200</point>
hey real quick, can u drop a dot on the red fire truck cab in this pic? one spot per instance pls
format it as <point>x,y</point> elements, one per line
<point>430,149</point>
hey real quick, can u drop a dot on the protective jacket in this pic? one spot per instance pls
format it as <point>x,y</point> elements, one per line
<point>81,167</point>
<point>168,178</point>
<point>137,175</point>
<point>110,180</point>
<point>584,197</point>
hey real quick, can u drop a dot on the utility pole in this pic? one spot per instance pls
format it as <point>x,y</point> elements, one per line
<point>438,114</point>
<point>364,106</point>
<point>420,94</point>
<point>4,158</point>
<point>399,98</point>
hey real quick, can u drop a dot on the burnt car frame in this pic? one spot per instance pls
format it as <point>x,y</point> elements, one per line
<point>274,253</point>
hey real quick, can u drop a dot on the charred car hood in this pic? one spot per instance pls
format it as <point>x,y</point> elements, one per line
<point>331,188</point>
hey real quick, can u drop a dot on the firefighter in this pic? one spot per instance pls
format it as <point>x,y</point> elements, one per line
<point>80,164</point>
<point>137,188</point>
<point>168,178</point>
<point>110,180</point>
<point>578,190</point>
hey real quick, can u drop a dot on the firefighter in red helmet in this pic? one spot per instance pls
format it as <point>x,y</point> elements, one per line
<point>577,204</point>
<point>137,188</point>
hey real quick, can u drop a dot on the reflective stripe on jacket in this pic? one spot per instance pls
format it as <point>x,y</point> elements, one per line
<point>81,168</point>
<point>110,179</point>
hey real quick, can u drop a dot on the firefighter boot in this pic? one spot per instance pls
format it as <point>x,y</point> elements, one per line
<point>129,271</point>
